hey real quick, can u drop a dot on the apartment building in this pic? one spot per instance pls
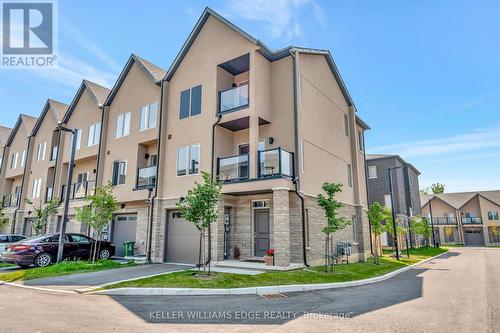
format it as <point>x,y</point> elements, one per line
<point>405,188</point>
<point>13,184</point>
<point>273,125</point>
<point>469,218</point>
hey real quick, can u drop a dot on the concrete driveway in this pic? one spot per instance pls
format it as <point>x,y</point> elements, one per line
<point>458,292</point>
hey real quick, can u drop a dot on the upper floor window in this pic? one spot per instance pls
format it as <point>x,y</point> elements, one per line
<point>119,172</point>
<point>346,125</point>
<point>23,158</point>
<point>78,133</point>
<point>349,175</point>
<point>493,215</point>
<point>190,104</point>
<point>361,141</point>
<point>123,125</point>
<point>13,161</point>
<point>188,160</point>
<point>372,172</point>
<point>388,201</point>
<point>40,152</point>
<point>37,188</point>
<point>148,116</point>
<point>94,134</point>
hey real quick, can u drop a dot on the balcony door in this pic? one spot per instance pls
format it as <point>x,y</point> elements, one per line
<point>81,184</point>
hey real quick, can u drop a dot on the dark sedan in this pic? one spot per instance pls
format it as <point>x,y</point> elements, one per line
<point>41,251</point>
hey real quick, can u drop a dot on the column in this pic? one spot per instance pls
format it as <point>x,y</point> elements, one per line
<point>281,224</point>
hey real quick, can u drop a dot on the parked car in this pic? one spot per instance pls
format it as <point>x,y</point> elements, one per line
<point>6,239</point>
<point>41,251</point>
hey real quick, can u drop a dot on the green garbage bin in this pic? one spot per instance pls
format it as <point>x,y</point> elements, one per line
<point>128,248</point>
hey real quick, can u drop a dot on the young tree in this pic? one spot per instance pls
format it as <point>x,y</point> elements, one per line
<point>437,188</point>
<point>42,213</point>
<point>97,213</point>
<point>200,206</point>
<point>495,232</point>
<point>420,226</point>
<point>448,231</point>
<point>400,231</point>
<point>377,215</point>
<point>335,221</point>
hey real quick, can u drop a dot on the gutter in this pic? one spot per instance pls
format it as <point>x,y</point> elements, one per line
<point>296,160</point>
<point>214,125</point>
<point>158,161</point>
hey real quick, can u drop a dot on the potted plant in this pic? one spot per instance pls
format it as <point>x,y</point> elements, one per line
<point>269,257</point>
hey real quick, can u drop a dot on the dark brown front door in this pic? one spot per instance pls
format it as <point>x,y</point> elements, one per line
<point>261,232</point>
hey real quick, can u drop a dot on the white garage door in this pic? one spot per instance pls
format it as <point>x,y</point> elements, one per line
<point>183,240</point>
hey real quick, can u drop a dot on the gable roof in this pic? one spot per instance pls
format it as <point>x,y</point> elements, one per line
<point>459,199</point>
<point>25,122</point>
<point>58,110</point>
<point>155,73</point>
<point>269,54</point>
<point>371,157</point>
<point>4,134</point>
<point>97,92</point>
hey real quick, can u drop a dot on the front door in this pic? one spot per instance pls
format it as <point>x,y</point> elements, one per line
<point>261,232</point>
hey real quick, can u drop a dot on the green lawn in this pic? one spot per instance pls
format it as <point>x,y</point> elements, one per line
<point>63,268</point>
<point>2,264</point>
<point>341,273</point>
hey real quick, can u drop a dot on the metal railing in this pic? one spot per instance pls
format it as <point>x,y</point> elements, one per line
<point>472,220</point>
<point>444,220</point>
<point>275,162</point>
<point>233,168</point>
<point>79,190</point>
<point>10,200</point>
<point>146,177</point>
<point>233,99</point>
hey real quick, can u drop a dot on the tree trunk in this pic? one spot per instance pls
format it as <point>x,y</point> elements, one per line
<point>199,252</point>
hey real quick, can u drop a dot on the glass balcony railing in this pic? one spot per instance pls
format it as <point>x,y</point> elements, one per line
<point>275,162</point>
<point>146,177</point>
<point>10,200</point>
<point>472,220</point>
<point>233,168</point>
<point>79,190</point>
<point>233,99</point>
<point>444,220</point>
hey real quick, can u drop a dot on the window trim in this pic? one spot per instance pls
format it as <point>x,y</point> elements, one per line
<point>188,158</point>
<point>118,175</point>
<point>349,176</point>
<point>347,126</point>
<point>376,172</point>
<point>123,133</point>
<point>13,160</point>
<point>148,112</point>
<point>96,137</point>
<point>190,110</point>
<point>361,141</point>
<point>23,158</point>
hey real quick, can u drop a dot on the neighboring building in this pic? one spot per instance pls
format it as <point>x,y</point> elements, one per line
<point>470,218</point>
<point>405,187</point>
<point>273,125</point>
<point>13,183</point>
<point>4,137</point>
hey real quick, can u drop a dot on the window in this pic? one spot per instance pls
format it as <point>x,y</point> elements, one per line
<point>346,125</point>
<point>36,189</point>
<point>40,152</point>
<point>23,158</point>
<point>13,161</point>
<point>94,134</point>
<point>188,160</point>
<point>492,215</point>
<point>79,239</point>
<point>78,138</point>
<point>387,201</point>
<point>349,175</point>
<point>190,103</point>
<point>119,172</point>
<point>354,231</point>
<point>122,125</point>
<point>307,228</point>
<point>372,172</point>
<point>361,141</point>
<point>148,116</point>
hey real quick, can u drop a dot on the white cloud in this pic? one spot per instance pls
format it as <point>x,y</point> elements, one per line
<point>282,17</point>
<point>473,141</point>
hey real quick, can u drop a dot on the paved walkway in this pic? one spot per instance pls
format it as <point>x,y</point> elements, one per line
<point>92,279</point>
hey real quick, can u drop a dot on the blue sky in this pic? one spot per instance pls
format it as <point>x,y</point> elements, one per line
<point>424,74</point>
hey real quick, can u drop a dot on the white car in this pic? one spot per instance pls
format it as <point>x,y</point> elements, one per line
<point>6,239</point>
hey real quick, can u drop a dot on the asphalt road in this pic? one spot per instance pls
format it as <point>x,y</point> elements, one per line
<point>458,292</point>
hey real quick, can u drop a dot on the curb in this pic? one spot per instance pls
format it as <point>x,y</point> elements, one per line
<point>253,290</point>
<point>11,284</point>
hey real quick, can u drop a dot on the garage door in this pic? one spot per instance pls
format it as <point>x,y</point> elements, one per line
<point>474,237</point>
<point>124,229</point>
<point>182,239</point>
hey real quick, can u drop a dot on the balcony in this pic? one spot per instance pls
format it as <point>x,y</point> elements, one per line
<point>275,163</point>
<point>10,200</point>
<point>444,221</point>
<point>233,99</point>
<point>233,168</point>
<point>146,177</point>
<point>49,194</point>
<point>472,220</point>
<point>79,190</point>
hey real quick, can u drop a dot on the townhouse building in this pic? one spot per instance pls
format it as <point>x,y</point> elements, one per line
<point>469,218</point>
<point>272,125</point>
<point>405,189</point>
<point>4,137</point>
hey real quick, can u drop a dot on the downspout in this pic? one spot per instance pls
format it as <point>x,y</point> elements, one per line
<point>158,161</point>
<point>214,126</point>
<point>296,159</point>
<point>22,183</point>
<point>367,196</point>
